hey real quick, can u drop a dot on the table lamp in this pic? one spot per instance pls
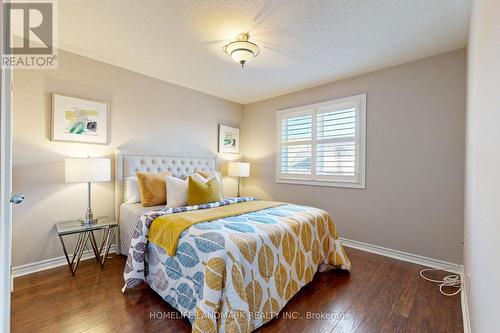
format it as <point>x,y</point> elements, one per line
<point>238,169</point>
<point>87,170</point>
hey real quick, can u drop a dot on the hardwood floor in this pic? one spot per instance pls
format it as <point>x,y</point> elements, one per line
<point>379,295</point>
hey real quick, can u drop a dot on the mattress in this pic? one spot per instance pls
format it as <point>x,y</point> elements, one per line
<point>130,214</point>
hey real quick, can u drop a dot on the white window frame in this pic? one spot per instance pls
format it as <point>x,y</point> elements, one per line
<point>358,181</point>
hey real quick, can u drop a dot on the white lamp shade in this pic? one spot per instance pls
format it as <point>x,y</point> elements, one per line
<point>238,169</point>
<point>85,170</point>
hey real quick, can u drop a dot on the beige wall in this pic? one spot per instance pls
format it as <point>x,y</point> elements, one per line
<point>413,200</point>
<point>482,195</point>
<point>147,115</point>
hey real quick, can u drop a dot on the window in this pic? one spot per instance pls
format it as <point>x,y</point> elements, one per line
<point>323,144</point>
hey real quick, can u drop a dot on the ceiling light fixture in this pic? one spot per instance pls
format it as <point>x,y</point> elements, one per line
<point>241,50</point>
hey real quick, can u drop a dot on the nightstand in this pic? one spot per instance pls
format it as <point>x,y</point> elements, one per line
<point>86,234</point>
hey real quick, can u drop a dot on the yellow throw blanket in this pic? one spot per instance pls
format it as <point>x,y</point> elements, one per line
<point>166,230</point>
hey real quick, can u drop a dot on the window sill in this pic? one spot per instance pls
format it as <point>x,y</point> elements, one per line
<point>327,183</point>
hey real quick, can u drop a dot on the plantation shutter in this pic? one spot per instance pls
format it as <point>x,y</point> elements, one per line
<point>296,144</point>
<point>323,144</point>
<point>336,143</point>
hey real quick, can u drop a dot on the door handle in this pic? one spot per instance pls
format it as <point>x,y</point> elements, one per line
<point>17,198</point>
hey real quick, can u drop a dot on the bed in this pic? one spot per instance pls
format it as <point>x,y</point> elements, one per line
<point>127,164</point>
<point>233,271</point>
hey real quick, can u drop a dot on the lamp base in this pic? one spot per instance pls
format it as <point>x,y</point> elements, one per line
<point>87,221</point>
<point>89,218</point>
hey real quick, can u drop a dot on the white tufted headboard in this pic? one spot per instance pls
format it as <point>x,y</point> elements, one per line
<point>127,164</point>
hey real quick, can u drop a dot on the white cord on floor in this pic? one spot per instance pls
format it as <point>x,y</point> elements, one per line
<point>452,280</point>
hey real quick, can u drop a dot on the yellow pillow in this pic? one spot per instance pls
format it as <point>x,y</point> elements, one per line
<point>200,193</point>
<point>153,188</point>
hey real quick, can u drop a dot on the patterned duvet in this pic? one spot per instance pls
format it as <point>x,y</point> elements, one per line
<point>235,274</point>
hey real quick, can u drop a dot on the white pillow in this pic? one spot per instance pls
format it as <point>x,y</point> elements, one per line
<point>216,175</point>
<point>202,179</point>
<point>177,191</point>
<point>132,190</point>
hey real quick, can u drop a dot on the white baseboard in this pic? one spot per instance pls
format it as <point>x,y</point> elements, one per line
<point>50,263</point>
<point>465,305</point>
<point>404,256</point>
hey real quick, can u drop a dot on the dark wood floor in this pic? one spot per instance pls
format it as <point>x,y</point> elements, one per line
<point>379,295</point>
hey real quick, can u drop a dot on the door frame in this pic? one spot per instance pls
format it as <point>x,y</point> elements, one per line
<point>5,189</point>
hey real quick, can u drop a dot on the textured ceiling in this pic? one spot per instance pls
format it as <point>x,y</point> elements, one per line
<point>303,43</point>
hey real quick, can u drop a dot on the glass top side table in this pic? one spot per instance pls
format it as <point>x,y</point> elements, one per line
<point>85,235</point>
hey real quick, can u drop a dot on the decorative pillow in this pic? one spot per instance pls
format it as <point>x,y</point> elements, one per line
<point>200,193</point>
<point>205,176</point>
<point>201,178</point>
<point>132,194</point>
<point>177,191</point>
<point>152,188</point>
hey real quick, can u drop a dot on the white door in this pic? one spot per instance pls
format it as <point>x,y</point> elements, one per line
<point>5,190</point>
<point>5,205</point>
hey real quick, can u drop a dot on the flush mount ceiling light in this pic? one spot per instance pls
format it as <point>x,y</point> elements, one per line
<point>241,50</point>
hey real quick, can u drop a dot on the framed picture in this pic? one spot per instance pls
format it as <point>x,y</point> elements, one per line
<point>79,120</point>
<point>229,139</point>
